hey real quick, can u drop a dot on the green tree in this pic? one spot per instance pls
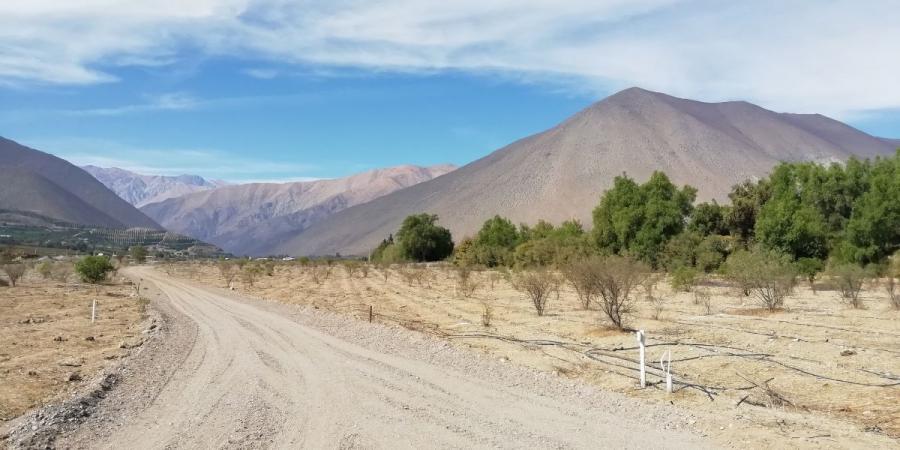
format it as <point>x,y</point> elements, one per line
<point>93,269</point>
<point>788,224</point>
<point>709,219</point>
<point>746,200</point>
<point>421,239</point>
<point>496,240</point>
<point>640,219</point>
<point>378,254</point>
<point>138,254</point>
<point>873,230</point>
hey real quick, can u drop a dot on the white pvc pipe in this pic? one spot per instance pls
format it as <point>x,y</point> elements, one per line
<point>640,339</point>
<point>94,310</point>
<point>665,362</point>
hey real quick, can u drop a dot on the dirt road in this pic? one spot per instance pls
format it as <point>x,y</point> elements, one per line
<point>256,377</point>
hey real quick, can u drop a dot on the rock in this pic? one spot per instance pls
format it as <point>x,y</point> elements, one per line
<point>90,338</point>
<point>32,373</point>
<point>74,376</point>
<point>59,339</point>
<point>848,353</point>
<point>126,344</point>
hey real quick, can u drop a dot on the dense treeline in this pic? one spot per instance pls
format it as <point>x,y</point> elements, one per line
<point>811,214</point>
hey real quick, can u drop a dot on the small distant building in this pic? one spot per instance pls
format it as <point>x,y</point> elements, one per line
<point>288,258</point>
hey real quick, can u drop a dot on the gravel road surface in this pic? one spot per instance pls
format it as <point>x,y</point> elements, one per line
<point>245,373</point>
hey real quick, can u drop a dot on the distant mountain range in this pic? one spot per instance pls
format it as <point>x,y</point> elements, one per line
<point>243,219</point>
<point>35,182</point>
<point>560,173</point>
<point>140,190</point>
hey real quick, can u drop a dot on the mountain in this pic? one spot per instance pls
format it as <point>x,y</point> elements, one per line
<point>41,183</point>
<point>140,190</point>
<point>893,142</point>
<point>244,219</point>
<point>560,173</point>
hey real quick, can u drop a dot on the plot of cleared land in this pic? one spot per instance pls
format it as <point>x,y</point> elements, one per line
<point>48,345</point>
<point>815,374</point>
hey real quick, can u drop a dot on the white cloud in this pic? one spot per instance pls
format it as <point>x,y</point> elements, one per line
<point>173,101</point>
<point>834,57</point>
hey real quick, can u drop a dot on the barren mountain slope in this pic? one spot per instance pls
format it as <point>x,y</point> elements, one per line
<point>140,190</point>
<point>72,180</point>
<point>560,173</point>
<point>244,218</point>
<point>34,193</point>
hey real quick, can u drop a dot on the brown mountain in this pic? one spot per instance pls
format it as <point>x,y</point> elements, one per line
<point>41,183</point>
<point>249,218</point>
<point>560,173</point>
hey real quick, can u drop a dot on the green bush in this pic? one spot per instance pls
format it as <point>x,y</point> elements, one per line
<point>93,269</point>
<point>138,254</point>
<point>684,278</point>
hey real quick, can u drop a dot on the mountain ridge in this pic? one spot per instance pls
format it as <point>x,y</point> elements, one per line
<point>139,189</point>
<point>57,173</point>
<point>243,218</point>
<point>559,173</point>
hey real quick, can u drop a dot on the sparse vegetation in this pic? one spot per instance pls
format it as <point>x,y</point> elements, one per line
<point>767,275</point>
<point>13,272</point>
<point>849,280</point>
<point>487,314</point>
<point>466,284</point>
<point>538,285</point>
<point>138,254</point>
<point>45,269</point>
<point>583,278</point>
<point>229,271</point>
<point>617,277</point>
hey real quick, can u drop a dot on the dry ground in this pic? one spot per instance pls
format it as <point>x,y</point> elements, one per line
<point>833,372</point>
<point>48,345</point>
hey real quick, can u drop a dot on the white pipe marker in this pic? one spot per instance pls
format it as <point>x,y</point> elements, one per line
<point>94,310</point>
<point>665,362</point>
<point>640,339</point>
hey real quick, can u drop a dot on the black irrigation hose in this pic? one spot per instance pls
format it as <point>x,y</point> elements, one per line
<point>434,329</point>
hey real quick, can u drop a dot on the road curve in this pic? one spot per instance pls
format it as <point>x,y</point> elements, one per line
<point>257,378</point>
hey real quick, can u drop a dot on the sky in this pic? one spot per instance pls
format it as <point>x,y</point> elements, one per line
<point>283,90</point>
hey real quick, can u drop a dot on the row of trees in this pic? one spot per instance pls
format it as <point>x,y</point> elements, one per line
<point>811,214</point>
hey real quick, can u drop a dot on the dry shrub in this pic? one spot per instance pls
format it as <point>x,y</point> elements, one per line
<point>319,273</point>
<point>616,278</point>
<point>656,301</point>
<point>493,278</point>
<point>466,284</point>
<point>414,275</point>
<point>13,272</point>
<point>849,280</point>
<point>251,272</point>
<point>364,270</point>
<point>890,286</point>
<point>487,314</point>
<point>538,285</point>
<point>703,298</point>
<point>228,270</point>
<point>62,271</point>
<point>767,275</point>
<point>582,276</point>
<point>350,267</point>
<point>45,269</point>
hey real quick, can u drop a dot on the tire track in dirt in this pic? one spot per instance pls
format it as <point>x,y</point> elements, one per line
<point>255,378</point>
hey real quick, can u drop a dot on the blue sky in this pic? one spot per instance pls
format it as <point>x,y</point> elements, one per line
<point>276,90</point>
